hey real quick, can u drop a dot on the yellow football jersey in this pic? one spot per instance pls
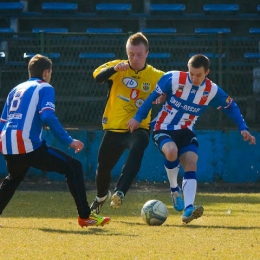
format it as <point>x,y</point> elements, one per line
<point>128,91</point>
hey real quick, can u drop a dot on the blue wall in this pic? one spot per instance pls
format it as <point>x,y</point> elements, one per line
<point>223,156</point>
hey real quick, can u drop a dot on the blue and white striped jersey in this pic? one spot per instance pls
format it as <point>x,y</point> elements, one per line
<point>185,102</point>
<point>28,108</point>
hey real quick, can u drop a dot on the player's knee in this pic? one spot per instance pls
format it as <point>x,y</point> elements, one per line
<point>170,153</point>
<point>190,165</point>
<point>141,140</point>
<point>143,143</point>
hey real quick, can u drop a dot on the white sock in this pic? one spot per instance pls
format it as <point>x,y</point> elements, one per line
<point>101,199</point>
<point>172,176</point>
<point>189,187</point>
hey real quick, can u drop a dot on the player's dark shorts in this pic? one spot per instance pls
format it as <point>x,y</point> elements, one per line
<point>184,139</point>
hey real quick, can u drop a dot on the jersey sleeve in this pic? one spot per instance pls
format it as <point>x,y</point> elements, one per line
<point>162,86</point>
<point>3,119</point>
<point>225,103</point>
<point>102,73</point>
<point>167,82</point>
<point>157,74</point>
<point>48,117</point>
<point>143,111</point>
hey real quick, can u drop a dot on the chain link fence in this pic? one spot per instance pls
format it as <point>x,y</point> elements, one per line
<point>80,100</point>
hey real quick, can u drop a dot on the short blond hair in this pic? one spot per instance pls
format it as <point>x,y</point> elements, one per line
<point>137,38</point>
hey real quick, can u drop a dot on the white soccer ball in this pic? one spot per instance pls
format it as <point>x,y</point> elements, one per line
<point>154,213</point>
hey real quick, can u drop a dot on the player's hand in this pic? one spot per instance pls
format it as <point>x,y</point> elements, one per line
<point>121,66</point>
<point>77,145</point>
<point>133,124</point>
<point>161,99</point>
<point>248,137</point>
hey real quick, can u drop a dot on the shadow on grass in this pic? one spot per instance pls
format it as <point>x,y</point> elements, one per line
<point>88,231</point>
<point>193,226</point>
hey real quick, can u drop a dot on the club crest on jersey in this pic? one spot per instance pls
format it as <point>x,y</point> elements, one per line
<point>129,82</point>
<point>229,101</point>
<point>205,95</point>
<point>180,88</point>
<point>134,94</point>
<point>146,87</point>
<point>139,102</point>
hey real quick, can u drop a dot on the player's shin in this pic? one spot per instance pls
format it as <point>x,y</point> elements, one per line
<point>172,169</point>
<point>189,187</point>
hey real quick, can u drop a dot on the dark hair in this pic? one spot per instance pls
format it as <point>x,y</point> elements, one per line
<point>198,61</point>
<point>138,38</point>
<point>37,65</point>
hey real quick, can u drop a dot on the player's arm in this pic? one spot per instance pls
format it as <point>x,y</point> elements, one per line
<point>3,119</point>
<point>162,91</point>
<point>248,137</point>
<point>107,70</point>
<point>142,112</point>
<point>225,103</point>
<point>48,117</point>
<point>161,99</point>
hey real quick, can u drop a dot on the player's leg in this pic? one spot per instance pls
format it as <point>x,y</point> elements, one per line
<point>165,143</point>
<point>17,168</point>
<point>111,148</point>
<point>137,142</point>
<point>188,161</point>
<point>53,160</point>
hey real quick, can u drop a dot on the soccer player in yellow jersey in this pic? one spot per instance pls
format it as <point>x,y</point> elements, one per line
<point>130,83</point>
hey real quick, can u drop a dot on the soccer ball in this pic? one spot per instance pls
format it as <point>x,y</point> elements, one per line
<point>154,213</point>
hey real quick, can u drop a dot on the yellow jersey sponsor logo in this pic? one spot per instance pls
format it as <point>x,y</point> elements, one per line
<point>134,94</point>
<point>123,98</point>
<point>129,82</point>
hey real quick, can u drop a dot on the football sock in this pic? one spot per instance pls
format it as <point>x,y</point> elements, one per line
<point>189,187</point>
<point>172,169</point>
<point>101,199</point>
<point>174,189</point>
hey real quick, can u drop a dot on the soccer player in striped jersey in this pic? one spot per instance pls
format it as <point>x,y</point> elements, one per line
<point>188,95</point>
<point>28,108</point>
